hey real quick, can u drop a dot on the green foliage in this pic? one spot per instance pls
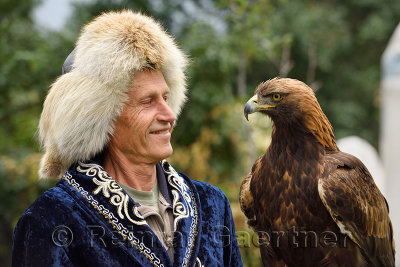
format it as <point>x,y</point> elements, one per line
<point>19,187</point>
<point>30,61</point>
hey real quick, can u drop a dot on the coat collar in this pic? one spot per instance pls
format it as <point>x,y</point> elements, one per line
<point>103,195</point>
<point>162,183</point>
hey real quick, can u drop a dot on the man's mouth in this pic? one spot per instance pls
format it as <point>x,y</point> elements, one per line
<point>166,131</point>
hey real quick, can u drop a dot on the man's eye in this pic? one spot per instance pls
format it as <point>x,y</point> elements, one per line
<point>147,101</point>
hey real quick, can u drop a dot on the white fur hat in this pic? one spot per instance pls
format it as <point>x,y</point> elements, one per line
<point>82,105</point>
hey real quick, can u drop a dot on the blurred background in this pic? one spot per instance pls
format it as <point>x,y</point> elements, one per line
<point>334,46</point>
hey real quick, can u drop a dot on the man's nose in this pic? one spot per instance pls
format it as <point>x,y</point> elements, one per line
<point>166,113</point>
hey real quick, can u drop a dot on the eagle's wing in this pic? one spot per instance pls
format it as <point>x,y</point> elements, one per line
<point>357,206</point>
<point>246,198</point>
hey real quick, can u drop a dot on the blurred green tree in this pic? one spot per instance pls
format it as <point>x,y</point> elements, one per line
<point>28,58</point>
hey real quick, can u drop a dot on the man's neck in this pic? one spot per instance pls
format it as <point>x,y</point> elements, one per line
<point>140,176</point>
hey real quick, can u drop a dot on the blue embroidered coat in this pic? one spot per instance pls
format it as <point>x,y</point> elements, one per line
<point>87,219</point>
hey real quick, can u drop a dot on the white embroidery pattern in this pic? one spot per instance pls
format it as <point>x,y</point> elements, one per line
<point>182,209</point>
<point>110,189</point>
<point>114,221</point>
<point>198,263</point>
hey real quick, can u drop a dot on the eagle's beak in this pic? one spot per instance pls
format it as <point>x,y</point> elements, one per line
<point>251,106</point>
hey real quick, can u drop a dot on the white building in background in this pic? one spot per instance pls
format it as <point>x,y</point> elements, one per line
<point>390,129</point>
<point>363,150</point>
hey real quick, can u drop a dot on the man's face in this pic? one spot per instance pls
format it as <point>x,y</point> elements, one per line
<point>143,131</point>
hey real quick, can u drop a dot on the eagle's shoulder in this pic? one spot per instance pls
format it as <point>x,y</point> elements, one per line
<point>246,198</point>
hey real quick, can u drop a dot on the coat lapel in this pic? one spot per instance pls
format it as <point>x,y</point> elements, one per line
<point>103,195</point>
<point>187,226</point>
<point>119,211</point>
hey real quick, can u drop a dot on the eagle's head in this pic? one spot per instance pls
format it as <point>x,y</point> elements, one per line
<point>281,99</point>
<point>292,104</point>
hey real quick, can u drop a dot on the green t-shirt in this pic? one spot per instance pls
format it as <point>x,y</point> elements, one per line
<point>144,198</point>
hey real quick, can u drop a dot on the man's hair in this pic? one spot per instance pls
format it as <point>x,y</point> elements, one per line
<point>82,105</point>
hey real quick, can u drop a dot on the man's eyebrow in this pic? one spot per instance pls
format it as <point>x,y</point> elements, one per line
<point>153,94</point>
<point>166,91</point>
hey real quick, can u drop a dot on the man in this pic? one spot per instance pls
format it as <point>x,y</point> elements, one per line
<point>105,128</point>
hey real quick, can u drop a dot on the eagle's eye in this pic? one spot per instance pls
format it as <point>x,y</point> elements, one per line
<point>276,97</point>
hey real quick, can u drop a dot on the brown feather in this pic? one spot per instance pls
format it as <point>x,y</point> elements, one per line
<point>301,187</point>
<point>357,206</point>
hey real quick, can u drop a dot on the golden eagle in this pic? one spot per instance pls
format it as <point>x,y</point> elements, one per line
<point>310,203</point>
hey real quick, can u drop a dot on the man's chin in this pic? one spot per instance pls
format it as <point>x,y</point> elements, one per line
<point>164,154</point>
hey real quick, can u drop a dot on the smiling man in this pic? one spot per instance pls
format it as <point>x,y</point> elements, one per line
<point>142,133</point>
<point>105,128</point>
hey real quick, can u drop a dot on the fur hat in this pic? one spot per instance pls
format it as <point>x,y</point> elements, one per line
<point>82,105</point>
